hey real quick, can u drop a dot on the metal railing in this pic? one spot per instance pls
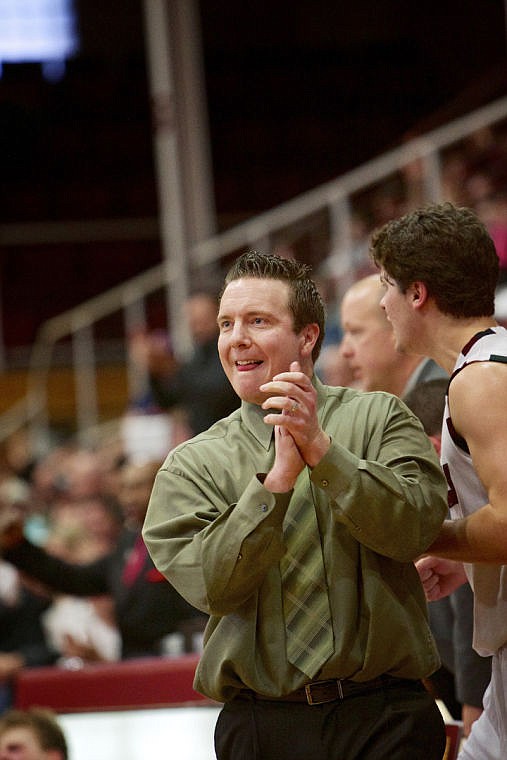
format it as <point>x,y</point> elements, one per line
<point>331,203</point>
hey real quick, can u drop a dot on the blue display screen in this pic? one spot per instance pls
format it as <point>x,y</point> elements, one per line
<point>41,31</point>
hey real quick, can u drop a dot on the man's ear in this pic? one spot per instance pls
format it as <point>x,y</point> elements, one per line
<point>418,293</point>
<point>309,335</point>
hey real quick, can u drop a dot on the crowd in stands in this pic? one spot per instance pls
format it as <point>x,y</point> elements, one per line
<point>473,174</point>
<point>76,583</point>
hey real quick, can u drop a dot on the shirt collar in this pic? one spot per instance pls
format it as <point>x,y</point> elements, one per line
<point>252,417</point>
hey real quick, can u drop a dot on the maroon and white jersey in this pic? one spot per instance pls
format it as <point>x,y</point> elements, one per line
<point>466,494</point>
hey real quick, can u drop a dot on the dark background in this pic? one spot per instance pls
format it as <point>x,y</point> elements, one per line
<point>297,94</point>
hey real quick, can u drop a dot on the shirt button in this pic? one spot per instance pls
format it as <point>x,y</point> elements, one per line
<point>324,483</point>
<point>264,507</point>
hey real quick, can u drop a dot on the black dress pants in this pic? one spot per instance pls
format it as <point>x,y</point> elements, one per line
<point>394,722</point>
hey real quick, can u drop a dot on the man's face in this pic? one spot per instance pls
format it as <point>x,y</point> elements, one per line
<point>20,743</point>
<point>257,339</point>
<point>400,314</point>
<point>368,341</point>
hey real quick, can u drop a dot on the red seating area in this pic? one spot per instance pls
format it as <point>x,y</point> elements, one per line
<point>147,682</point>
<point>133,684</point>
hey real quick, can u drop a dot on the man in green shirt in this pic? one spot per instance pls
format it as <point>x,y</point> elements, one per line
<point>223,526</point>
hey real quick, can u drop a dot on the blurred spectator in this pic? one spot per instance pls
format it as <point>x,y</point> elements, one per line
<point>147,607</point>
<point>82,531</point>
<point>388,201</point>
<point>82,476</point>
<point>486,154</point>
<point>112,456</point>
<point>22,639</point>
<point>47,475</point>
<point>198,386</point>
<point>493,212</point>
<point>66,473</point>
<point>83,628</point>
<point>368,343</point>
<point>454,176</point>
<point>18,454</point>
<point>33,734</point>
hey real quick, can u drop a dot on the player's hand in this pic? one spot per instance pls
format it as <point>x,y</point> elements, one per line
<point>440,577</point>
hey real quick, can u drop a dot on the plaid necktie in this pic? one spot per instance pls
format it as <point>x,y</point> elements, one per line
<point>305,600</point>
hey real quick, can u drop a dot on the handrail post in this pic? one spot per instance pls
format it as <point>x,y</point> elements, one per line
<point>433,176</point>
<point>37,401</point>
<point>85,378</point>
<point>340,216</point>
<point>134,318</point>
<point>169,167</point>
<point>259,239</point>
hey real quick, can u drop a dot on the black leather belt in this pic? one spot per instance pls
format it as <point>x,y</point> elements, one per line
<point>320,692</point>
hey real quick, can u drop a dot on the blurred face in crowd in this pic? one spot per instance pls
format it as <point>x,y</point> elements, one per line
<point>368,340</point>
<point>136,482</point>
<point>201,313</point>
<point>21,743</point>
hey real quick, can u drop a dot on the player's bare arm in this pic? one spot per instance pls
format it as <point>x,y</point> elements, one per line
<point>478,404</point>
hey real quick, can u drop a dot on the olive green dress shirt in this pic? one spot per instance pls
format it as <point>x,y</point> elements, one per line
<point>217,534</point>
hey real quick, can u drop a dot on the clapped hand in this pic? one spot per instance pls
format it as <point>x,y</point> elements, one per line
<point>293,394</point>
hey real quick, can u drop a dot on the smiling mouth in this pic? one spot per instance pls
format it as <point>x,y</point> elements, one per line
<point>247,363</point>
